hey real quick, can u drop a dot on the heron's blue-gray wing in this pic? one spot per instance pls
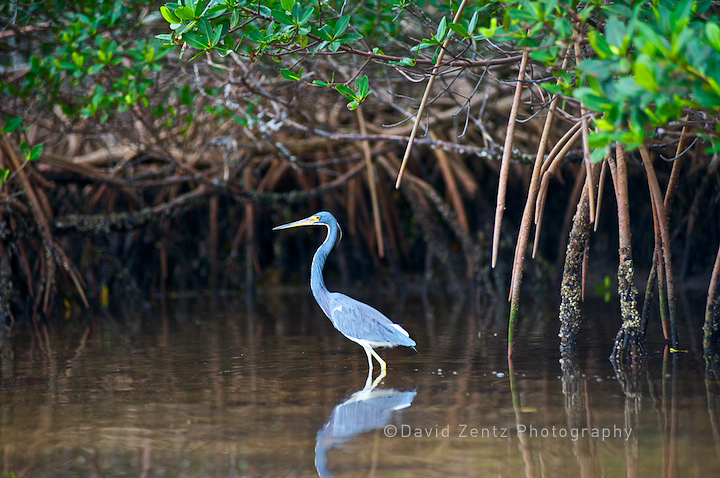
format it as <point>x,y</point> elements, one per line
<point>371,411</point>
<point>362,412</point>
<point>357,320</point>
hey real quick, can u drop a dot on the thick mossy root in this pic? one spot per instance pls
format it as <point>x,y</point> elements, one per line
<point>629,345</point>
<point>570,314</point>
<point>571,286</point>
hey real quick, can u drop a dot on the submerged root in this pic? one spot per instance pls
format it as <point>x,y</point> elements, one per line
<point>630,375</point>
<point>628,347</point>
<point>571,385</point>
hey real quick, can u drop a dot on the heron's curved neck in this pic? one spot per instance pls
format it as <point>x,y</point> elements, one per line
<point>317,284</point>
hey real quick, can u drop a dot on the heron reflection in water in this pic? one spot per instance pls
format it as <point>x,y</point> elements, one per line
<point>357,321</point>
<point>366,410</point>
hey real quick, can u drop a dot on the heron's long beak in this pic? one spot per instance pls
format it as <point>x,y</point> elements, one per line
<point>308,221</point>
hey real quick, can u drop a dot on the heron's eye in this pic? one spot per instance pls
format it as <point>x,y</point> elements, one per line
<point>315,218</point>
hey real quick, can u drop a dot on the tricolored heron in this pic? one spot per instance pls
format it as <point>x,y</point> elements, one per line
<point>357,321</point>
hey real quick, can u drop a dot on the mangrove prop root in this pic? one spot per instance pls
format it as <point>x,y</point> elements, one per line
<point>656,197</point>
<point>711,329</point>
<point>571,285</point>
<point>668,201</point>
<point>629,345</point>
<point>525,224</point>
<point>570,208</point>
<point>649,294</point>
<point>505,164</point>
<point>659,267</point>
<point>623,205</point>
<point>601,188</point>
<point>529,209</point>
<point>630,340</point>
<point>545,182</point>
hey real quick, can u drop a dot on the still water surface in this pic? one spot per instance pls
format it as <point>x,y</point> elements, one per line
<point>220,389</point>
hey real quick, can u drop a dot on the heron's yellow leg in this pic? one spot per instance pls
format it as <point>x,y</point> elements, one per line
<point>382,363</point>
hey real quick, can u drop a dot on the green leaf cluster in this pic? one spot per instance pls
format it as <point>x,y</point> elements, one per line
<point>336,36</point>
<point>12,123</point>
<point>358,95</point>
<point>653,64</point>
<point>91,65</point>
<point>650,63</point>
<point>259,28</point>
<point>30,153</point>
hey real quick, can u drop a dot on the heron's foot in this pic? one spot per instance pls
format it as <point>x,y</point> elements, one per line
<point>377,380</point>
<point>370,384</point>
<point>383,365</point>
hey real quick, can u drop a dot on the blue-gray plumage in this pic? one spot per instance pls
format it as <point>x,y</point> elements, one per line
<point>357,321</point>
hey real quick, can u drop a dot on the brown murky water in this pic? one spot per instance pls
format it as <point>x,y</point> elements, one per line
<point>193,388</point>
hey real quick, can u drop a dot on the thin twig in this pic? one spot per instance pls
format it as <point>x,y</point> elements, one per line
<point>426,96</point>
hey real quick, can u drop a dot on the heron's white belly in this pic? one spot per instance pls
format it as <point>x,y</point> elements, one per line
<point>369,343</point>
